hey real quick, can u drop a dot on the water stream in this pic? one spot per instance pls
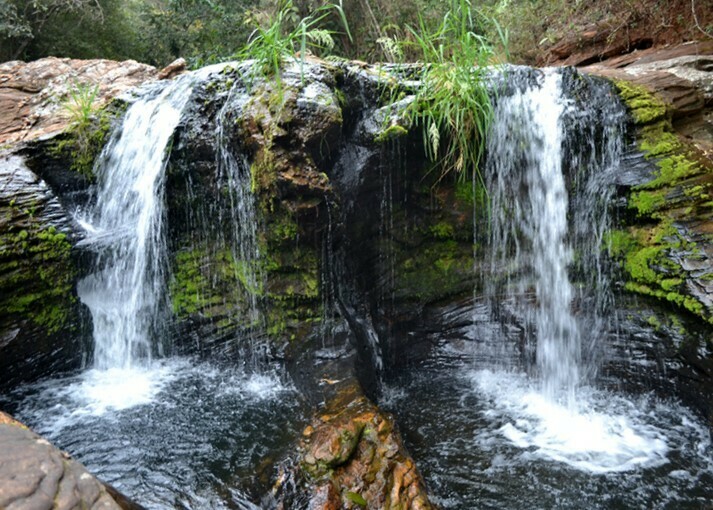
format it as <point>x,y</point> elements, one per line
<point>172,432</point>
<point>520,409</point>
<point>512,415</point>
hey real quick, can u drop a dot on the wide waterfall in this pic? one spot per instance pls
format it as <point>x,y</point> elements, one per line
<point>265,261</point>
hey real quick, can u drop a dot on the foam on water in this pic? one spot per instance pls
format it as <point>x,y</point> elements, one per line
<point>179,434</point>
<point>66,402</point>
<point>603,433</point>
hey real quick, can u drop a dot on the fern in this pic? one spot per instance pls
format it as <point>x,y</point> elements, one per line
<point>391,48</point>
<point>321,38</point>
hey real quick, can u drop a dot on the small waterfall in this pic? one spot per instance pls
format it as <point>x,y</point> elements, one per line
<point>539,139</point>
<point>126,228</point>
<point>234,177</point>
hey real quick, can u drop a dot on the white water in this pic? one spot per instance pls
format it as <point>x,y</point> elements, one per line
<point>125,227</point>
<point>179,434</point>
<point>603,432</point>
<point>554,413</point>
<point>530,223</point>
<point>125,291</point>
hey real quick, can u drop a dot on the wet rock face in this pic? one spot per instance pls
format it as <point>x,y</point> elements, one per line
<point>354,457</point>
<point>281,136</point>
<point>31,93</point>
<point>664,240</point>
<point>40,316</point>
<point>351,455</point>
<point>36,475</point>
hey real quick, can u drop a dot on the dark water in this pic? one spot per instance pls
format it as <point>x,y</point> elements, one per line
<point>181,434</point>
<point>488,439</point>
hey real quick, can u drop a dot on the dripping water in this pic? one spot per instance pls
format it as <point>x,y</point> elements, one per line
<point>233,172</point>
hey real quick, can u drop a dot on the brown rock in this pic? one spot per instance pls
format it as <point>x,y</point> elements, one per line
<point>173,69</point>
<point>354,456</point>
<point>31,93</point>
<point>36,475</point>
<point>682,76</point>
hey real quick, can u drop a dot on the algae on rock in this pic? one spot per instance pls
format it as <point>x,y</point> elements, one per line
<point>663,245</point>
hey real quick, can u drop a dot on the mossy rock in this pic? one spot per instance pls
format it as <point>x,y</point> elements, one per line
<point>667,209</point>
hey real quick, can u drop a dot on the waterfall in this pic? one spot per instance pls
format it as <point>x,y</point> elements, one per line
<point>530,152</point>
<point>125,226</point>
<point>233,173</point>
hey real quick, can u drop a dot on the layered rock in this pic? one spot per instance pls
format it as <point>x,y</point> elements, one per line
<point>31,94</point>
<point>36,475</point>
<point>668,248</point>
<point>40,318</point>
<point>664,241</point>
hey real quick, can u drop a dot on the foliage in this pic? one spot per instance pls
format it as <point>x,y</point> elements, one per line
<point>453,104</point>
<point>280,38</point>
<point>81,104</point>
<point>75,28</point>
<point>88,129</point>
<point>202,31</point>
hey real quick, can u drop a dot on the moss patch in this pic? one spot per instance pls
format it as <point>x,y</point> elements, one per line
<point>82,143</point>
<point>651,248</point>
<point>37,276</point>
<point>645,107</point>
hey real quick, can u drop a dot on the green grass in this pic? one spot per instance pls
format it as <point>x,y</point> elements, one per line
<point>81,105</point>
<point>453,104</point>
<point>279,40</point>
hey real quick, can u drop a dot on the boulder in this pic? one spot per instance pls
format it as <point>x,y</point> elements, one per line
<point>31,94</point>
<point>34,475</point>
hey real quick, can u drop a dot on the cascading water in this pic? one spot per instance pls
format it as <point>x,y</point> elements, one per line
<point>125,292</point>
<point>529,155</point>
<point>529,224</point>
<point>526,412</point>
<point>172,408</point>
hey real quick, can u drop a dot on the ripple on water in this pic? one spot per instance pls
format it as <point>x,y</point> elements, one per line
<point>487,439</point>
<point>178,434</point>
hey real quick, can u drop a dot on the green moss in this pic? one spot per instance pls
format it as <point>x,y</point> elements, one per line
<point>646,202</point>
<point>442,231</point>
<point>645,107</point>
<point>639,264</point>
<point>263,174</point>
<point>434,270</point>
<point>82,142</point>
<point>649,269</point>
<point>211,283</point>
<point>672,170</point>
<point>39,281</point>
<point>464,191</point>
<point>618,242</point>
<point>657,142</point>
<point>391,133</point>
<point>654,321</point>
<point>356,498</point>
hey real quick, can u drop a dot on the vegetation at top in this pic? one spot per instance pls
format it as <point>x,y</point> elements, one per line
<point>454,38</point>
<point>206,31</point>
